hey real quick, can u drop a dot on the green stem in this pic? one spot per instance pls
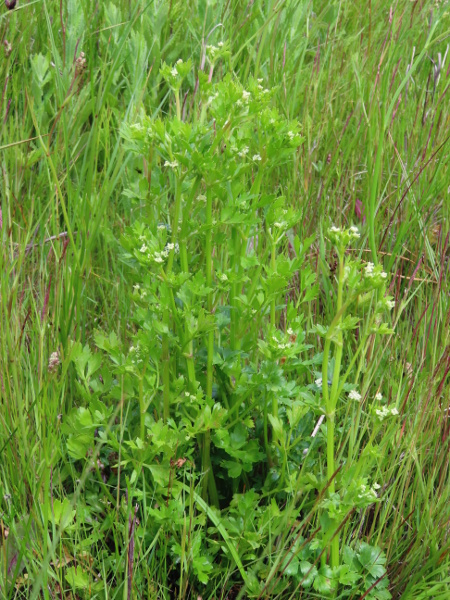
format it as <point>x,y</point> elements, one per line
<point>233,290</point>
<point>189,354</point>
<point>331,397</point>
<point>209,482</point>
<point>178,104</point>
<point>166,376</point>
<point>166,316</point>
<point>273,266</point>
<point>142,407</point>
<point>266,431</point>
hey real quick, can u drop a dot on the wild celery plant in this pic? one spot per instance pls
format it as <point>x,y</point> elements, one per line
<point>361,290</point>
<point>214,164</point>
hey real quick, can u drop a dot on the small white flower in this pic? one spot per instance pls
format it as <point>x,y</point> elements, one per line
<point>369,269</point>
<point>290,331</point>
<point>382,413</point>
<point>143,248</point>
<point>172,165</point>
<point>379,396</point>
<point>394,411</point>
<point>174,72</point>
<point>390,304</point>
<point>180,61</point>
<point>170,246</point>
<point>158,258</point>
<point>354,233</point>
<point>220,44</point>
<point>353,395</point>
<point>161,227</point>
<point>223,277</point>
<point>335,229</point>
<point>260,80</point>
<point>245,95</point>
<point>187,394</point>
<point>201,197</point>
<point>260,87</point>
<point>376,486</point>
<point>318,382</point>
<point>136,286</point>
<point>383,275</point>
<point>291,135</point>
<point>243,152</point>
<point>256,157</point>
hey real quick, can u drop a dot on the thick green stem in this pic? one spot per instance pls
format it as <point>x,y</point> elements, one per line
<point>209,483</point>
<point>166,377</point>
<point>234,291</point>
<point>166,315</point>
<point>189,352</point>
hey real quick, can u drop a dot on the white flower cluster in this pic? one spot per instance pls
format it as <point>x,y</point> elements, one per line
<point>283,344</point>
<point>384,412</point>
<point>243,152</point>
<point>318,382</point>
<point>342,237</point>
<point>354,395</point>
<point>158,258</point>
<point>167,250</point>
<point>191,397</point>
<point>135,353</point>
<point>371,271</point>
<point>213,50</point>
<point>222,276</point>
<point>368,493</point>
<point>172,165</point>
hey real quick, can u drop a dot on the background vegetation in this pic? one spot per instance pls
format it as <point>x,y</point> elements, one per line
<point>161,427</point>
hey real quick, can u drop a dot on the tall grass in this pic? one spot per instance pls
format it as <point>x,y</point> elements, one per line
<point>369,85</point>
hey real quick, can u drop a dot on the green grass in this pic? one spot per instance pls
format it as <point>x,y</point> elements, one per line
<point>255,519</point>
